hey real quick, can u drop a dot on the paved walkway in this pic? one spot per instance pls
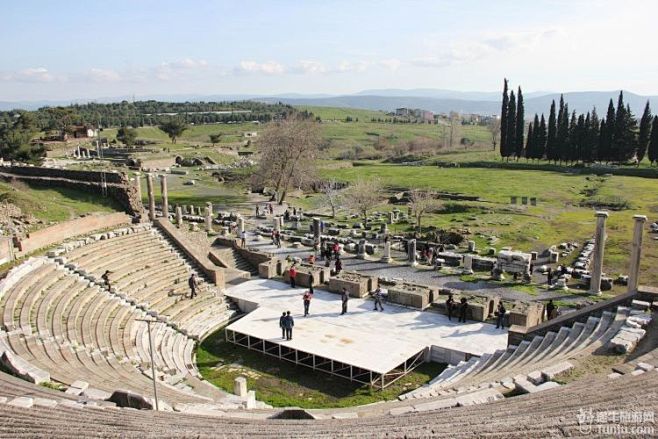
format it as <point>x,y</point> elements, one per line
<point>373,340</point>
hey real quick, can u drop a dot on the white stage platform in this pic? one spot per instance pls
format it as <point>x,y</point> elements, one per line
<point>363,345</point>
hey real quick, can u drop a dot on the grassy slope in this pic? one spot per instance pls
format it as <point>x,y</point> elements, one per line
<point>284,384</point>
<point>56,204</point>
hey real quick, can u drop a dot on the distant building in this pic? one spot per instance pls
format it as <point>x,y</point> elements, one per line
<point>83,131</point>
<point>402,112</point>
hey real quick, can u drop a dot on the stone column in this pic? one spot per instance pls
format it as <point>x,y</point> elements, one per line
<point>192,210</point>
<point>138,185</point>
<point>391,217</point>
<point>179,216</point>
<point>636,252</point>
<point>165,196</point>
<point>208,220</point>
<point>361,249</point>
<point>468,264</point>
<point>277,223</point>
<point>240,225</point>
<point>149,187</point>
<point>599,246</point>
<point>383,229</point>
<point>471,246</point>
<point>209,206</point>
<point>411,252</point>
<point>316,230</point>
<point>387,253</point>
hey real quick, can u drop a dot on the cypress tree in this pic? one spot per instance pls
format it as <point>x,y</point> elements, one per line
<point>571,144</point>
<point>562,131</point>
<point>529,146</point>
<point>540,144</point>
<point>645,133</point>
<point>511,126</point>
<point>534,142</point>
<point>503,120</point>
<point>581,138</point>
<point>520,125</point>
<point>653,141</point>
<point>551,139</point>
<point>593,136</point>
<point>618,130</point>
<point>607,133</point>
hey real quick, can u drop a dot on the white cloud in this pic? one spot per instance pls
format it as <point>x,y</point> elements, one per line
<point>30,74</point>
<point>103,75</point>
<point>310,67</point>
<point>353,66</point>
<point>391,64</point>
<point>268,68</point>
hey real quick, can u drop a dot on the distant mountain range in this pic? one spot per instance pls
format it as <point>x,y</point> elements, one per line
<point>436,100</point>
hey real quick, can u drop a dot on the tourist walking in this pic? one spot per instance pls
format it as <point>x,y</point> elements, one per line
<point>292,273</point>
<point>194,284</point>
<point>243,239</point>
<point>463,306</point>
<point>378,296</point>
<point>288,323</point>
<point>550,310</point>
<point>336,250</point>
<point>282,325</point>
<point>549,276</point>
<point>344,297</point>
<point>257,210</point>
<point>500,321</point>
<point>308,295</point>
<point>106,278</point>
<point>339,265</point>
<point>450,305</point>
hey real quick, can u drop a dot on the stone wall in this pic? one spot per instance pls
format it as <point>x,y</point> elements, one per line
<point>117,185</point>
<point>6,250</point>
<point>59,232</point>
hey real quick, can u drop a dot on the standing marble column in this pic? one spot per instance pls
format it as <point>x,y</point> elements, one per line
<point>209,206</point>
<point>468,264</point>
<point>599,246</point>
<point>165,196</point>
<point>149,187</point>
<point>361,249</point>
<point>240,225</point>
<point>636,252</point>
<point>138,185</point>
<point>179,216</point>
<point>316,230</point>
<point>411,251</point>
<point>387,253</point>
<point>208,220</point>
<point>277,224</point>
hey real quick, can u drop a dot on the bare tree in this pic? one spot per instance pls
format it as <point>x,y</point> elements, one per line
<point>494,129</point>
<point>331,195</point>
<point>363,196</point>
<point>288,152</point>
<point>422,201</point>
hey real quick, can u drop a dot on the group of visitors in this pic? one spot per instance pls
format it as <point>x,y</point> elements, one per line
<point>267,208</point>
<point>451,306</point>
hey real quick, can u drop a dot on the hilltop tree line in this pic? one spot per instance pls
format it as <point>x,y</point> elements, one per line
<point>568,137</point>
<point>150,113</point>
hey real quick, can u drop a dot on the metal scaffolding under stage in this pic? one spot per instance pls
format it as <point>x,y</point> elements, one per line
<point>351,372</point>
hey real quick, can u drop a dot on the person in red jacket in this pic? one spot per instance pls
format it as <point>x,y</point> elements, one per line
<point>293,274</point>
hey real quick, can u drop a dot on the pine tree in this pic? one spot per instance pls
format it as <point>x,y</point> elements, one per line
<point>540,144</point>
<point>511,126</point>
<point>551,139</point>
<point>529,146</point>
<point>503,120</point>
<point>645,133</point>
<point>653,141</point>
<point>520,125</point>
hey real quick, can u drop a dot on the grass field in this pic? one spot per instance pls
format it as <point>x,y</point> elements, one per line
<point>54,204</point>
<point>284,384</point>
<point>558,217</point>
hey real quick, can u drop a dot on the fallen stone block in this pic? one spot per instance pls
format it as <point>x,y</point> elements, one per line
<point>535,377</point>
<point>45,402</point>
<point>614,375</point>
<point>645,366</point>
<point>346,415</point>
<point>480,397</point>
<point>22,401</point>
<point>547,386</point>
<point>552,371</point>
<point>436,405</point>
<point>124,398</point>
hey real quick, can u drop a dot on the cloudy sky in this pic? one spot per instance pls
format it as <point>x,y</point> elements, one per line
<point>89,49</point>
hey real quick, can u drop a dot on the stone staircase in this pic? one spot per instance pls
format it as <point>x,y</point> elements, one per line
<point>532,364</point>
<point>237,267</point>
